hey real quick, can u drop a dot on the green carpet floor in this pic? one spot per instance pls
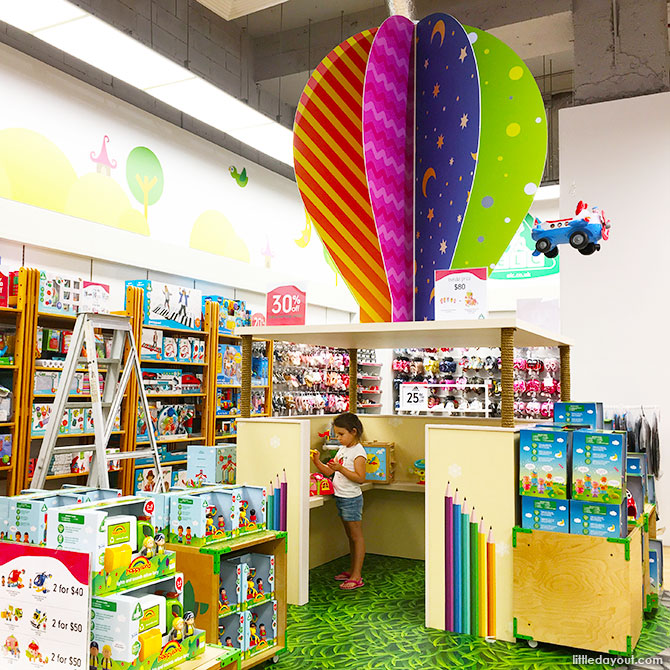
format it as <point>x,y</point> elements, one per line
<point>381,627</point>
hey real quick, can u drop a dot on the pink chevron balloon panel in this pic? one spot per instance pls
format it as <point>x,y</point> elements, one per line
<point>388,144</point>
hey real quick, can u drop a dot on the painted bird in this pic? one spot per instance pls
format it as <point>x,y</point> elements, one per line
<point>240,177</point>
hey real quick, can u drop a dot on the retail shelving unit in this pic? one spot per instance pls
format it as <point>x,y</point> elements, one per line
<point>369,385</point>
<point>201,567</point>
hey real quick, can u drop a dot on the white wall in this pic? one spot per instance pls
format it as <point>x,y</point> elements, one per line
<point>615,303</point>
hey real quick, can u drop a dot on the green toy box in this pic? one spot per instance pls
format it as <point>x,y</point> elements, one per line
<point>598,466</point>
<point>544,455</point>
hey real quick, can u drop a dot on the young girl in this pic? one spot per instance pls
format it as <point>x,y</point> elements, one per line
<point>348,466</point>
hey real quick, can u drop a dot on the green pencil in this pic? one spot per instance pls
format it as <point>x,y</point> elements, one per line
<point>474,574</point>
<point>270,508</point>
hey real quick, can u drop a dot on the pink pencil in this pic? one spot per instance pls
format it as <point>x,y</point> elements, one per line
<point>448,560</point>
<point>284,501</point>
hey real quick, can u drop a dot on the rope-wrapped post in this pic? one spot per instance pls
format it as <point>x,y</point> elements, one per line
<point>565,372</point>
<point>353,380</point>
<point>245,394</point>
<point>507,377</point>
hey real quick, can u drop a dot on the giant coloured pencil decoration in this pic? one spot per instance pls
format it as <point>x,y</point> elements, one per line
<point>449,559</point>
<point>465,570</point>
<point>458,583</point>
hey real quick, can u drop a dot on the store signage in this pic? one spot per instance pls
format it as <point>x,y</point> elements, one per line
<point>258,319</point>
<point>286,306</point>
<point>518,261</point>
<point>461,294</point>
<point>45,608</point>
<point>413,398</point>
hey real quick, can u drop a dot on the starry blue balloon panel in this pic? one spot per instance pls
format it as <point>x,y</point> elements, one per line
<point>447,143</point>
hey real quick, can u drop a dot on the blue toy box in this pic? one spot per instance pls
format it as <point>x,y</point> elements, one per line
<point>597,519</point>
<point>170,306</point>
<point>598,466</point>
<point>229,365</point>
<point>584,414</point>
<point>260,628</point>
<point>380,464</point>
<point>545,514</point>
<point>543,462</point>
<point>232,631</point>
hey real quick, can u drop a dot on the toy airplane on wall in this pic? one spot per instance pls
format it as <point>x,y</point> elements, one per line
<point>583,232</point>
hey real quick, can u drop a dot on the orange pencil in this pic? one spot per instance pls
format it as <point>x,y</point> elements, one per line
<point>491,580</point>
<point>481,537</point>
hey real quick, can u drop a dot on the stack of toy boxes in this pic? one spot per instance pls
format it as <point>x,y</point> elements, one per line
<point>232,313</point>
<point>219,513</point>
<point>211,465</point>
<point>23,518</point>
<point>544,455</point>
<point>598,505</point>
<point>637,480</point>
<point>157,347</point>
<point>579,414</point>
<point>161,505</point>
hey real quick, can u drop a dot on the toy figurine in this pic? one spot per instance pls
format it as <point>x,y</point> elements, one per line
<point>180,534</point>
<point>244,505</point>
<point>189,623</point>
<point>148,547</point>
<point>252,516</point>
<point>177,632</point>
<point>93,656</point>
<point>106,658</point>
<point>223,598</point>
<point>209,525</point>
<point>253,638</point>
<point>188,535</point>
<point>262,633</point>
<point>251,589</point>
<point>229,642</point>
<point>259,584</point>
<point>221,522</point>
<point>160,544</point>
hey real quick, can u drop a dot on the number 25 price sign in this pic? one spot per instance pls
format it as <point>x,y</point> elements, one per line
<point>413,398</point>
<point>286,306</point>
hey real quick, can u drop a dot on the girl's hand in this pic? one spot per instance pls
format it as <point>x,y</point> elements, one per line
<point>334,465</point>
<point>314,453</point>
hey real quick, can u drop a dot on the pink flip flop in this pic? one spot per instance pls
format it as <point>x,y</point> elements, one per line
<point>342,577</point>
<point>351,585</point>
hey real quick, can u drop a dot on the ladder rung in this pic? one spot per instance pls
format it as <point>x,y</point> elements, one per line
<point>104,361</point>
<point>74,449</point>
<point>80,405</point>
<point>127,455</point>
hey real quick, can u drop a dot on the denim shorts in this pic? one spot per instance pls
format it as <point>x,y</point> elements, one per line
<point>350,509</point>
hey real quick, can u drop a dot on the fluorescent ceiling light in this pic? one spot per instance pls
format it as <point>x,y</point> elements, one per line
<point>551,192</point>
<point>67,27</point>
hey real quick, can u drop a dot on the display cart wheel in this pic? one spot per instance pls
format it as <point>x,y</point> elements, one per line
<point>275,659</point>
<point>552,253</point>
<point>532,643</point>
<point>578,240</point>
<point>543,245</point>
<point>589,249</point>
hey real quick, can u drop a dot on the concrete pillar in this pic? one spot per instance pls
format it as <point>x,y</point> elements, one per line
<point>621,49</point>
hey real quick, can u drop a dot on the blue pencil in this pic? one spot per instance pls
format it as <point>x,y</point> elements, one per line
<point>458,586</point>
<point>465,567</point>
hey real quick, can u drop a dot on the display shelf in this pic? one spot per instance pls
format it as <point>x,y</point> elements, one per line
<point>370,364</point>
<point>176,395</point>
<point>66,435</point>
<point>175,438</point>
<point>9,310</point>
<point>59,368</point>
<point>6,468</point>
<point>260,386</point>
<point>229,386</point>
<point>225,437</point>
<point>153,361</point>
<point>261,657</point>
<point>170,329</point>
<point>6,424</point>
<point>228,416</point>
<point>57,317</point>
<point>214,658</point>
<point>8,367</point>
<point>366,392</point>
<point>69,475</point>
<point>369,378</point>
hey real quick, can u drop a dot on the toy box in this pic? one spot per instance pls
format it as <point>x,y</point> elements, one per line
<point>145,479</point>
<point>175,419</point>
<point>656,565</point>
<point>651,490</point>
<point>584,414</point>
<point>58,294</point>
<point>151,346</point>
<point>120,537</point>
<point>94,298</point>
<point>191,383</point>
<point>180,478</point>
<point>597,519</point>
<point>543,462</point>
<point>260,628</point>
<point>598,466</point>
<point>160,514</point>
<point>636,464</point>
<point>206,516</point>
<point>380,465</point>
<point>4,289</point>
<point>211,465</point>
<point>5,450</point>
<point>146,628</point>
<point>170,349</point>
<point>198,350</point>
<point>232,630</point>
<point>253,576</point>
<point>6,402</point>
<point>170,306</point>
<point>231,312</point>
<point>229,365</point>
<point>184,350</point>
<point>232,587</point>
<point>23,517</point>
<point>545,514</point>
<point>227,402</point>
<point>252,509</point>
<point>161,380</point>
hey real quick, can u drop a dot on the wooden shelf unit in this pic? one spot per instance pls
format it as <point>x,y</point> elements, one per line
<point>201,567</point>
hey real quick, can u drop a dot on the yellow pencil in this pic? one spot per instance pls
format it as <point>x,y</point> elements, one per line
<point>491,581</point>
<point>482,579</point>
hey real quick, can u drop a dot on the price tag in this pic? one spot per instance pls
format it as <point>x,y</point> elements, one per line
<point>258,319</point>
<point>286,306</point>
<point>461,294</point>
<point>413,398</point>
<point>45,598</point>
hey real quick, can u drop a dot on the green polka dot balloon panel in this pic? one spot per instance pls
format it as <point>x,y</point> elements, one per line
<point>512,153</point>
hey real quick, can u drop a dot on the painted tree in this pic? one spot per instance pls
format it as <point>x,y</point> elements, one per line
<point>145,177</point>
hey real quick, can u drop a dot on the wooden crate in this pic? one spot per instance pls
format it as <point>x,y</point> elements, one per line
<point>578,591</point>
<point>201,567</point>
